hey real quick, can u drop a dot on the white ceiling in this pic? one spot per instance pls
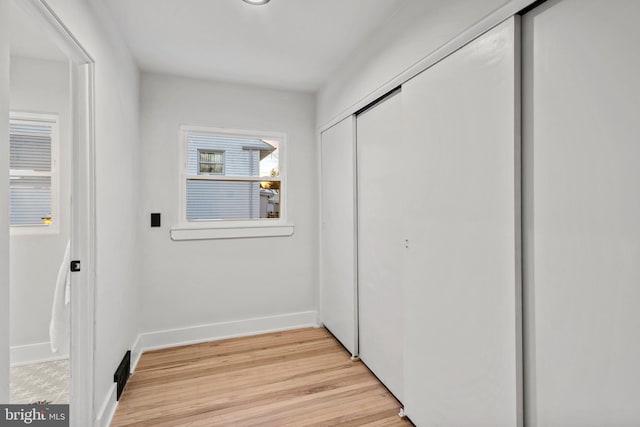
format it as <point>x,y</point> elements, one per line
<point>292,44</point>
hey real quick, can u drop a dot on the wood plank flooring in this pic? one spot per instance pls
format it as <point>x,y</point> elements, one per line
<point>294,378</point>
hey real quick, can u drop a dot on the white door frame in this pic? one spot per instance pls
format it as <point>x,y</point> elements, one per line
<point>83,210</point>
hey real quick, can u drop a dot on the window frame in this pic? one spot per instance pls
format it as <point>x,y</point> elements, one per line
<point>52,120</point>
<point>230,228</point>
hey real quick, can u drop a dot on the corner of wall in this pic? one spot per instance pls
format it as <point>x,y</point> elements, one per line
<point>202,333</point>
<point>156,340</point>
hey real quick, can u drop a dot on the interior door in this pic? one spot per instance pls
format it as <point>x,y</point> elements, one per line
<point>338,288</point>
<point>462,293</point>
<point>381,243</point>
<point>581,151</point>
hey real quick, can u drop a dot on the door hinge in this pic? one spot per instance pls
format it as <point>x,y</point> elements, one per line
<point>75,266</point>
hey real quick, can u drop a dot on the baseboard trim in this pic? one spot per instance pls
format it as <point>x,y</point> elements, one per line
<point>34,353</point>
<point>216,331</point>
<point>136,352</point>
<point>202,333</point>
<point>108,408</point>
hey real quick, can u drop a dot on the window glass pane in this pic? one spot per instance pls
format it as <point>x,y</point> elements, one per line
<point>30,200</point>
<point>211,168</point>
<point>242,156</point>
<point>270,161</point>
<point>211,162</point>
<point>208,200</point>
<point>210,157</point>
<point>30,146</point>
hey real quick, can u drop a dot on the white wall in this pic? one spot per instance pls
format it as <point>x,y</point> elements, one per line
<point>190,283</point>
<point>117,158</point>
<point>4,201</point>
<point>40,86</point>
<point>417,29</point>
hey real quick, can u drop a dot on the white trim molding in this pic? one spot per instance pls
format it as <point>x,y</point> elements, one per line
<point>56,30</point>
<point>108,408</point>
<point>228,231</point>
<point>34,353</point>
<point>217,331</point>
<point>494,18</point>
<point>203,333</point>
<point>83,242</point>
<point>231,228</point>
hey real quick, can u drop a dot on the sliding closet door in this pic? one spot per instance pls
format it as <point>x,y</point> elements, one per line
<point>338,288</point>
<point>581,65</point>
<point>462,294</point>
<point>381,158</point>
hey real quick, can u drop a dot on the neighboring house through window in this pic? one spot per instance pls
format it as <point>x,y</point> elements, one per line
<point>231,175</point>
<point>33,145</point>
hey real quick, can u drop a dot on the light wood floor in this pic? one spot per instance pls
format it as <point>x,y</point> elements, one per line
<point>294,378</point>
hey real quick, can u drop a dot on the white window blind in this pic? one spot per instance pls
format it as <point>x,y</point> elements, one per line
<point>31,181</point>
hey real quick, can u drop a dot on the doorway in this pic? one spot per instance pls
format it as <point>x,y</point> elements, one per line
<point>51,156</point>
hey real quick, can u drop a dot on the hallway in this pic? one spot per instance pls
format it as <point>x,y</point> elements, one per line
<point>299,377</point>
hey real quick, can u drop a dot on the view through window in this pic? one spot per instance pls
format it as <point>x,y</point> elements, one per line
<point>232,176</point>
<point>32,180</point>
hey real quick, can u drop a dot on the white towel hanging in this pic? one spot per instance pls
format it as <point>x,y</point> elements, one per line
<point>60,312</point>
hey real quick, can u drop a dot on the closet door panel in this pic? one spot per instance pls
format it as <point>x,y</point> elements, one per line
<point>380,240</point>
<point>462,294</point>
<point>338,288</point>
<point>581,110</point>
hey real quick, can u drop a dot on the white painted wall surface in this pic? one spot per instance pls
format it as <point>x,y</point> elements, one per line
<point>418,28</point>
<point>117,175</point>
<point>40,86</point>
<point>191,283</point>
<point>338,182</point>
<point>581,150</point>
<point>4,201</point>
<point>462,293</point>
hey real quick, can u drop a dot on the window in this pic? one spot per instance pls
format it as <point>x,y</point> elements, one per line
<point>210,162</point>
<point>233,184</point>
<point>33,144</point>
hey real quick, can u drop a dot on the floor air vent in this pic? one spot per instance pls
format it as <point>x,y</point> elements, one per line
<point>122,373</point>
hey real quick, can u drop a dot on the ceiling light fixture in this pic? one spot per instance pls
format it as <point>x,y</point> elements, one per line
<point>256,2</point>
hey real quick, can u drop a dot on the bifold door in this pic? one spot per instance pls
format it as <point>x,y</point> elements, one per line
<point>381,166</point>
<point>462,292</point>
<point>338,290</point>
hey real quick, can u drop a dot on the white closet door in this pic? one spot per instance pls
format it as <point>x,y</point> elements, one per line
<point>338,288</point>
<point>462,294</point>
<point>381,240</point>
<point>581,151</point>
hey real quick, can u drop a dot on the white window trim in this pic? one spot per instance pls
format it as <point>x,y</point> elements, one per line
<point>54,227</point>
<point>231,229</point>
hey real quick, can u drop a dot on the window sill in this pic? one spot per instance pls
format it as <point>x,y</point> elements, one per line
<point>37,230</point>
<point>230,231</point>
